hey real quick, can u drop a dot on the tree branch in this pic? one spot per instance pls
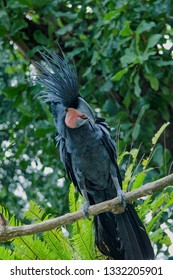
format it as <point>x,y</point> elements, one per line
<point>8,232</point>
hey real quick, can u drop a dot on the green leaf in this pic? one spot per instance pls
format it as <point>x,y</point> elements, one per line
<point>157,135</point>
<point>128,58</point>
<point>3,30</point>
<point>127,100</point>
<point>34,50</point>
<point>35,212</point>
<point>106,86</point>
<point>4,19</point>
<point>111,106</point>
<point>162,63</point>
<point>126,31</point>
<point>119,74</point>
<point>145,56</point>
<point>158,157</point>
<point>153,40</point>
<point>166,204</point>
<point>137,85</point>
<point>6,254</point>
<point>129,172</point>
<point>67,28</point>
<point>31,248</point>
<point>156,235</point>
<point>121,156</point>
<point>136,131</point>
<point>145,26</point>
<point>139,180</point>
<point>40,37</point>
<point>158,201</point>
<point>113,14</point>
<point>95,57</point>
<point>18,24</point>
<point>75,51</point>
<point>83,237</point>
<point>68,15</point>
<point>58,244</point>
<point>166,240</point>
<point>12,92</point>
<point>154,82</point>
<point>134,152</point>
<point>71,198</point>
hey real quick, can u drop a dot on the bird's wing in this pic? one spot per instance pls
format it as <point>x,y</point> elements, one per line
<point>110,146</point>
<point>66,160</point>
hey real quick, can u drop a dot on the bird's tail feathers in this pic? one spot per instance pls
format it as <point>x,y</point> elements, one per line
<point>122,236</point>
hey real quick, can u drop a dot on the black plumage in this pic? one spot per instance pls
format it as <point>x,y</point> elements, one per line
<point>88,153</point>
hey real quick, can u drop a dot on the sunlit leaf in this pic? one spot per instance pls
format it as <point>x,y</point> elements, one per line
<point>157,135</point>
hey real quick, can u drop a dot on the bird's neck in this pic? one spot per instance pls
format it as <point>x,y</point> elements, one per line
<point>79,139</point>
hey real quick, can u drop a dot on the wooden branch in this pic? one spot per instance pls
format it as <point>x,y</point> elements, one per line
<point>8,232</point>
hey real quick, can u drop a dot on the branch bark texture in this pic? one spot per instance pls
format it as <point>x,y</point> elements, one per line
<point>8,232</point>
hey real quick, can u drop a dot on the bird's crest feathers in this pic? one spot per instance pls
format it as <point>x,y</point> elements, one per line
<point>58,76</point>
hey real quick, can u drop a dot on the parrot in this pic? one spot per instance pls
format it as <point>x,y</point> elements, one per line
<point>89,155</point>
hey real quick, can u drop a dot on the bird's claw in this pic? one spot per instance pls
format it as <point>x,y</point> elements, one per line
<point>121,195</point>
<point>85,209</point>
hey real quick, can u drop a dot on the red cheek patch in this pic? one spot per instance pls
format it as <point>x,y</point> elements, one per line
<point>71,117</point>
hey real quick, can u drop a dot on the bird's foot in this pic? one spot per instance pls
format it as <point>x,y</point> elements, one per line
<point>121,195</point>
<point>85,209</point>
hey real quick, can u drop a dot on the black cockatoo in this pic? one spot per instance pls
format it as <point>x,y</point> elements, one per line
<point>88,153</point>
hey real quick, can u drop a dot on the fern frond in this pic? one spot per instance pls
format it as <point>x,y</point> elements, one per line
<point>83,240</point>
<point>58,244</point>
<point>82,231</point>
<point>5,212</point>
<point>31,248</point>
<point>12,221</point>
<point>71,198</point>
<point>35,213</point>
<point>6,254</point>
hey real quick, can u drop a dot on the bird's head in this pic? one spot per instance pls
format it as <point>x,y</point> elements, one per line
<point>77,117</point>
<point>59,79</point>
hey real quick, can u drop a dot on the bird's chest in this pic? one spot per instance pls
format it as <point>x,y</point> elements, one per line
<point>89,156</point>
<point>93,162</point>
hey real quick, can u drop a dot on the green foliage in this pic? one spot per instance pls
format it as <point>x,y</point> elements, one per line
<point>83,239</point>
<point>78,241</point>
<point>57,244</point>
<point>134,178</point>
<point>153,208</point>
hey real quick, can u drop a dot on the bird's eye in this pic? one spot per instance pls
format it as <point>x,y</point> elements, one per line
<point>83,117</point>
<point>66,109</point>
